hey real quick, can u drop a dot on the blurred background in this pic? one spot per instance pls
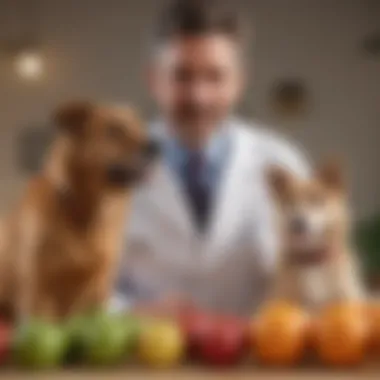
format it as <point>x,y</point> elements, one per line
<point>314,76</point>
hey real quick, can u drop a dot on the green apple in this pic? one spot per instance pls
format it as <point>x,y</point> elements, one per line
<point>102,338</point>
<point>40,345</point>
<point>161,344</point>
<point>78,328</point>
<point>130,328</point>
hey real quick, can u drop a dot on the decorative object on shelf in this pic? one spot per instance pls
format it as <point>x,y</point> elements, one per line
<point>289,98</point>
<point>371,44</point>
<point>23,45</point>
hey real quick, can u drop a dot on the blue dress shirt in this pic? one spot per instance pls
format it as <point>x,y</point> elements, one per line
<point>215,155</point>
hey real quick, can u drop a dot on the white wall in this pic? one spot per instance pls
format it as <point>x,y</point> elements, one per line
<point>96,48</point>
<point>320,41</point>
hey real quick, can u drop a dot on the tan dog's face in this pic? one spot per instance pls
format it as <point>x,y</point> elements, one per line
<point>314,212</point>
<point>108,146</point>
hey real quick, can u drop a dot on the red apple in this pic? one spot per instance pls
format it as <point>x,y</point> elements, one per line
<point>224,343</point>
<point>5,341</point>
<point>195,325</point>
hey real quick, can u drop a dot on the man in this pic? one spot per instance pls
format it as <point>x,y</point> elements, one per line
<point>202,226</point>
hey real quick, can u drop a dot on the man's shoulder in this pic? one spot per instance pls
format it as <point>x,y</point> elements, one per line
<point>272,147</point>
<point>260,134</point>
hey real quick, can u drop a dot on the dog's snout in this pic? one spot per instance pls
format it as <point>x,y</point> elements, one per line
<point>120,174</point>
<point>152,149</point>
<point>298,225</point>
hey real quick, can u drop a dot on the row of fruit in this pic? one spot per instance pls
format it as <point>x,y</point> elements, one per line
<point>280,335</point>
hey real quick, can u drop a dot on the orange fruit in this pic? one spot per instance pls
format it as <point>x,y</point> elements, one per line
<point>342,333</point>
<point>280,334</point>
<point>373,310</point>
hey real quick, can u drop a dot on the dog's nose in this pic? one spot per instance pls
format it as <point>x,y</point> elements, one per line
<point>298,226</point>
<point>152,149</point>
<point>119,174</point>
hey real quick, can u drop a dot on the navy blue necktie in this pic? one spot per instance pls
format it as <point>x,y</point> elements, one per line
<point>198,189</point>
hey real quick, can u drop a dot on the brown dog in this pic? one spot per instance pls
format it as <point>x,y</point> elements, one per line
<point>60,246</point>
<point>316,261</point>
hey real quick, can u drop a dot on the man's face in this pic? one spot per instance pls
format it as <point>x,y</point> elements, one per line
<point>195,82</point>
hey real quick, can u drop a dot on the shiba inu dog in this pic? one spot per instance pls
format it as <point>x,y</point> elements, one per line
<point>59,247</point>
<point>316,264</point>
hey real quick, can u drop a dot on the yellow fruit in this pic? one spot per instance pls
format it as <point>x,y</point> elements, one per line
<point>280,334</point>
<point>161,344</point>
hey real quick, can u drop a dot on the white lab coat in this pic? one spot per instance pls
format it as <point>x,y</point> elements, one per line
<point>228,268</point>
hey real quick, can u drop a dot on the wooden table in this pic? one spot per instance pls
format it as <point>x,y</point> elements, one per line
<point>245,373</point>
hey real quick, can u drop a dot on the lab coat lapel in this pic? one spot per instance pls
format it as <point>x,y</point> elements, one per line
<point>167,196</point>
<point>226,218</point>
<point>165,190</point>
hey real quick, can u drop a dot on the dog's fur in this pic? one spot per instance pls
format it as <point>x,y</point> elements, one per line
<point>60,246</point>
<point>316,264</point>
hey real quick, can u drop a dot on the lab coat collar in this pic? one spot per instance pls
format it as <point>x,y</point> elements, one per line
<point>227,202</point>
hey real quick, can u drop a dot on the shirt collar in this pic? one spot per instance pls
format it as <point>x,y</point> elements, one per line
<point>214,151</point>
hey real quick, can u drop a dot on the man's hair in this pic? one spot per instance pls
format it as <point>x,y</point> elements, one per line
<point>183,18</point>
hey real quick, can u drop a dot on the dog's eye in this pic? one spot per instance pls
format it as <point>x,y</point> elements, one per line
<point>115,131</point>
<point>316,199</point>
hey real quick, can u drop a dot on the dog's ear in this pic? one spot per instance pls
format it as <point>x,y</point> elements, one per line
<point>279,180</point>
<point>71,117</point>
<point>331,174</point>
